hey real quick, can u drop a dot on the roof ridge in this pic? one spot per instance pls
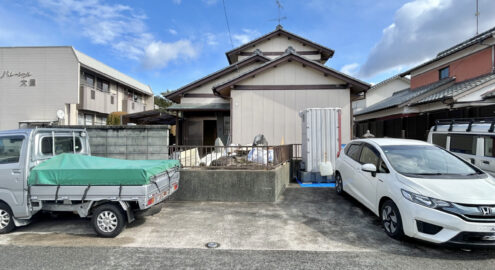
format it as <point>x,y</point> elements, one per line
<point>467,41</point>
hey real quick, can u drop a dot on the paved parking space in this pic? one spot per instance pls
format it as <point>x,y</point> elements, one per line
<point>306,219</point>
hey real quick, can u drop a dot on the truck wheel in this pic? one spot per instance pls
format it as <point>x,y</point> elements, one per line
<point>6,219</point>
<point>108,220</point>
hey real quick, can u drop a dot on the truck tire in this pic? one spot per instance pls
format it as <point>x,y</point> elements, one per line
<point>6,219</point>
<point>108,220</point>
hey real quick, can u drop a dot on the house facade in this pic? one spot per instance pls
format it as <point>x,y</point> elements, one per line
<point>38,83</point>
<point>268,82</point>
<point>381,91</point>
<point>458,83</point>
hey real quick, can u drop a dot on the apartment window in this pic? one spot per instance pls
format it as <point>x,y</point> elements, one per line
<point>443,73</point>
<point>89,80</point>
<point>112,100</point>
<point>88,119</point>
<point>93,94</point>
<point>102,85</point>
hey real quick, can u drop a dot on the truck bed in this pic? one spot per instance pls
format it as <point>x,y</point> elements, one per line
<point>160,188</point>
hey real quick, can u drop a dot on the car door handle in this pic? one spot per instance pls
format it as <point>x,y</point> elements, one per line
<point>16,171</point>
<point>486,162</point>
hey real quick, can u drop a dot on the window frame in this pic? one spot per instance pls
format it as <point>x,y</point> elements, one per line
<point>20,150</point>
<point>474,138</point>
<point>443,69</point>
<point>51,154</point>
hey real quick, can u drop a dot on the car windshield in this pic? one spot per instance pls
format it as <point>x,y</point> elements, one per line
<point>426,160</point>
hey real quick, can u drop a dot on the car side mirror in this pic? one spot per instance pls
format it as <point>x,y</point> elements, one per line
<point>368,167</point>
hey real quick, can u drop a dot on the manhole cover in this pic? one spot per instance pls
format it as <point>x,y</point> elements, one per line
<point>212,245</point>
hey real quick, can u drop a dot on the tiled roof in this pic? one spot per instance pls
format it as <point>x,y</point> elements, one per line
<point>457,89</point>
<point>476,39</point>
<point>403,96</point>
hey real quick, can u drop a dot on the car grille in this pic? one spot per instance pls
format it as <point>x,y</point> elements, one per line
<point>473,213</point>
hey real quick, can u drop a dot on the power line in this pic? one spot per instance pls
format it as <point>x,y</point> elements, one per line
<point>228,28</point>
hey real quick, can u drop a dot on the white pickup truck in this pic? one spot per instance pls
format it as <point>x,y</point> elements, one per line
<point>52,170</point>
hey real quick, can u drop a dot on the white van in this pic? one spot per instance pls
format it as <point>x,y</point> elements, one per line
<point>471,139</point>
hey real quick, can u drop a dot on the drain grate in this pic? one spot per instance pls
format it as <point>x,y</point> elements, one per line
<point>212,245</point>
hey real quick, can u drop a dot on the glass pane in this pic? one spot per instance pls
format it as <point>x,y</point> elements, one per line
<point>10,149</point>
<point>368,156</point>
<point>440,140</point>
<point>62,145</point>
<point>489,141</point>
<point>464,144</point>
<point>354,151</point>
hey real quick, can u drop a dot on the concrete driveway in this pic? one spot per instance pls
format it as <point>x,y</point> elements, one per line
<point>305,220</point>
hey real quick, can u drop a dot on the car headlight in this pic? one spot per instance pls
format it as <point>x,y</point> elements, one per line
<point>424,200</point>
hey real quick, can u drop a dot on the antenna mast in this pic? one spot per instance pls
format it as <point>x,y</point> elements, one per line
<point>477,14</point>
<point>280,7</point>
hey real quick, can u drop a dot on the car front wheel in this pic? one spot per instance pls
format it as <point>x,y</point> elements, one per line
<point>391,220</point>
<point>6,219</point>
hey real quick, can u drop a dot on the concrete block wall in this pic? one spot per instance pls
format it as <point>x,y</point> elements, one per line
<point>128,142</point>
<point>233,185</point>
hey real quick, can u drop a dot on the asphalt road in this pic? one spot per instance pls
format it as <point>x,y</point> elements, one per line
<point>33,257</point>
<point>308,228</point>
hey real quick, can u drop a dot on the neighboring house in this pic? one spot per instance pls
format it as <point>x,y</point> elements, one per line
<point>458,83</point>
<point>268,82</point>
<point>36,82</point>
<point>381,91</point>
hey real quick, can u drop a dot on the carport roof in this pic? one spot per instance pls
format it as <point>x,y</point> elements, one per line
<point>200,107</point>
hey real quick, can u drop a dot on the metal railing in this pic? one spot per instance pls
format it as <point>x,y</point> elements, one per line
<point>232,157</point>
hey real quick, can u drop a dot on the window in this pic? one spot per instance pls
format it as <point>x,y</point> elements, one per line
<point>464,144</point>
<point>443,73</point>
<point>10,149</point>
<point>93,94</point>
<point>102,85</point>
<point>440,140</point>
<point>88,119</point>
<point>62,145</point>
<point>368,155</point>
<point>112,100</point>
<point>489,142</point>
<point>353,151</point>
<point>89,80</point>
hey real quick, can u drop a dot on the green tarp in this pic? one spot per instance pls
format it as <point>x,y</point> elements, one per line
<point>77,170</point>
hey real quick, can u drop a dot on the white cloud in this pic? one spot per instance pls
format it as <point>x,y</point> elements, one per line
<point>118,26</point>
<point>172,31</point>
<point>158,54</point>
<point>350,69</point>
<point>246,36</point>
<point>211,39</point>
<point>421,29</point>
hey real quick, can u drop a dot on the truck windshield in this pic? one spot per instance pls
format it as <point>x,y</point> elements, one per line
<point>426,160</point>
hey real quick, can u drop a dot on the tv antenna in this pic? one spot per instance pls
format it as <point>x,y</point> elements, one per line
<point>477,14</point>
<point>279,18</point>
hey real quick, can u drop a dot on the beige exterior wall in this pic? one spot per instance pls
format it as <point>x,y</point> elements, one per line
<point>280,44</point>
<point>275,113</point>
<point>56,74</point>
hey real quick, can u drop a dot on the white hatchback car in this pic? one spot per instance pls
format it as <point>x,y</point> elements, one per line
<point>420,190</point>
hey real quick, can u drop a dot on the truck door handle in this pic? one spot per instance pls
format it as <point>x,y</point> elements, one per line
<point>486,162</point>
<point>16,171</point>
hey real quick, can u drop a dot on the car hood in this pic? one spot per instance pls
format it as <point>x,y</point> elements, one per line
<point>464,191</point>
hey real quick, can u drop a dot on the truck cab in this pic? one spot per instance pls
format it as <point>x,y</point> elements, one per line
<point>23,149</point>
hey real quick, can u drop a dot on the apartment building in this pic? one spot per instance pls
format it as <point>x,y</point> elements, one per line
<point>42,86</point>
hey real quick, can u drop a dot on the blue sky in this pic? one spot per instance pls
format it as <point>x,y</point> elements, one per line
<point>169,43</point>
